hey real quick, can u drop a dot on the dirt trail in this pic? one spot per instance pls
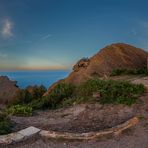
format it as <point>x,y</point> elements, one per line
<point>90,117</point>
<point>137,137</point>
<point>79,118</point>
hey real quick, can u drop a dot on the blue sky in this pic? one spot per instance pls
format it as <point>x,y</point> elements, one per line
<point>54,34</point>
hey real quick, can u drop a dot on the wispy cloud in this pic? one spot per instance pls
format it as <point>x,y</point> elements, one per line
<point>46,36</point>
<point>7,27</point>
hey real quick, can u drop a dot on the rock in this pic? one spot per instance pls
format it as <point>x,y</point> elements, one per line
<point>29,132</point>
<point>19,136</point>
<point>8,90</point>
<point>11,138</point>
<point>115,131</point>
<point>82,63</point>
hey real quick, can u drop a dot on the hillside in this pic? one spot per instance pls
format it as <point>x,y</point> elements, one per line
<point>111,57</point>
<point>8,90</point>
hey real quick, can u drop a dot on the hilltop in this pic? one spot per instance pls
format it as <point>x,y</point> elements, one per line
<point>111,57</point>
<point>114,56</point>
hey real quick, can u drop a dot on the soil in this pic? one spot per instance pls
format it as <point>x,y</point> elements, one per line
<point>137,137</point>
<point>79,118</point>
<point>90,117</point>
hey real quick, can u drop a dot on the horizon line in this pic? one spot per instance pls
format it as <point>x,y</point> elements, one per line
<point>27,69</point>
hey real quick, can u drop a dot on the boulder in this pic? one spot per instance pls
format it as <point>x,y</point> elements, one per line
<point>8,90</point>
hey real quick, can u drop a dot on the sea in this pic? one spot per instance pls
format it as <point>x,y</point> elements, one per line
<point>30,77</point>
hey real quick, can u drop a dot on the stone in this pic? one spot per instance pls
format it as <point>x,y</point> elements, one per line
<point>29,132</point>
<point>90,135</point>
<point>11,138</point>
<point>5,139</point>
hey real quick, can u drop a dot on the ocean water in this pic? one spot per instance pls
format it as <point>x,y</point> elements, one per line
<point>46,78</point>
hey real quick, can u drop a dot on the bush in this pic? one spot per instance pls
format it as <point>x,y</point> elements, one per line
<point>23,97</point>
<point>117,72</point>
<point>31,93</point>
<point>20,110</point>
<point>36,91</point>
<point>42,103</point>
<point>59,93</point>
<point>141,71</point>
<point>115,92</point>
<point>5,124</point>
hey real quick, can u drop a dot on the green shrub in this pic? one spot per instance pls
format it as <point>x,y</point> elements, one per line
<point>117,72</point>
<point>5,124</point>
<point>31,93</point>
<point>59,93</point>
<point>23,97</point>
<point>42,103</point>
<point>36,91</point>
<point>115,92</point>
<point>20,110</point>
<point>140,71</point>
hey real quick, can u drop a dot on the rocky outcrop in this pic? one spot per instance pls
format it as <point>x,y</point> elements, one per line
<point>82,63</point>
<point>8,90</point>
<point>111,57</point>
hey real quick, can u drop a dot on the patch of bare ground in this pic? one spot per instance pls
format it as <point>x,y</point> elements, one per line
<point>137,137</point>
<point>90,117</point>
<point>79,118</point>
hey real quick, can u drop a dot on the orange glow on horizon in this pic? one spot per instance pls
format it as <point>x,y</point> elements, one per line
<point>35,68</point>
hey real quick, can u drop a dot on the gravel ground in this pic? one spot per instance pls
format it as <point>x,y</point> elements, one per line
<point>79,118</point>
<point>137,137</point>
<point>86,118</point>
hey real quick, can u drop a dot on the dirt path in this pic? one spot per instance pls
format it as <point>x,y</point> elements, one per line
<point>79,118</point>
<point>85,118</point>
<point>137,137</point>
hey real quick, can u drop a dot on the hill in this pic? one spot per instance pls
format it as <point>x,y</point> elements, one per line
<point>107,59</point>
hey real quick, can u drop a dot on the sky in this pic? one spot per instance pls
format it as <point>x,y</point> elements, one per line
<point>54,34</point>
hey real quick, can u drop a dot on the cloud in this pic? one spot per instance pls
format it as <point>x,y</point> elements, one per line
<point>3,55</point>
<point>46,36</point>
<point>6,30</point>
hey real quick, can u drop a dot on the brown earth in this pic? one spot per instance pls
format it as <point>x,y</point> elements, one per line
<point>101,64</point>
<point>8,90</point>
<point>78,119</point>
<point>111,57</point>
<point>90,117</point>
<point>137,137</point>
